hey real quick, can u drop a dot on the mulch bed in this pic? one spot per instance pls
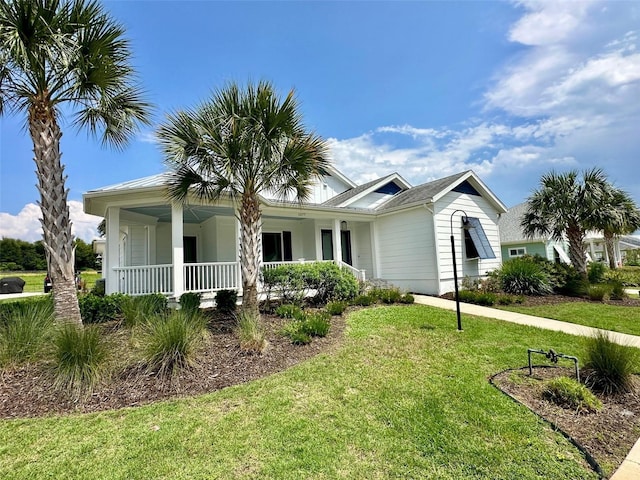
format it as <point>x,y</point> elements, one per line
<point>607,435</point>
<point>27,391</point>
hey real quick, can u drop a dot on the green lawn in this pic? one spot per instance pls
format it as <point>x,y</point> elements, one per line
<point>405,397</point>
<point>35,280</point>
<point>592,314</point>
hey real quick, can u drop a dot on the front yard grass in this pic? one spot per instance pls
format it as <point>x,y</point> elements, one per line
<point>623,319</point>
<point>34,281</point>
<point>406,396</point>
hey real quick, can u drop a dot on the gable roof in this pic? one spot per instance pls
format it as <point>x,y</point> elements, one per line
<point>353,194</point>
<point>433,191</point>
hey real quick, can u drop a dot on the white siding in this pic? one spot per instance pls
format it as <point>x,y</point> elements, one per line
<point>406,249</point>
<point>163,243</point>
<point>137,245</point>
<point>321,191</point>
<point>361,248</point>
<point>473,206</point>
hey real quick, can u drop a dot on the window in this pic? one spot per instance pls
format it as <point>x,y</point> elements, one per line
<point>476,243</point>
<point>327,244</point>
<point>517,252</point>
<point>276,247</point>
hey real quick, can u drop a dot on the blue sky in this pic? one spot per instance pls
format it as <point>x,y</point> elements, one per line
<point>427,89</point>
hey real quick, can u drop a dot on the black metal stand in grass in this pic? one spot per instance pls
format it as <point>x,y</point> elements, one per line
<point>455,266</point>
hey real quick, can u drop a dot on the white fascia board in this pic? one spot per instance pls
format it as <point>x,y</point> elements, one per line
<point>394,177</point>
<point>479,184</point>
<point>337,173</point>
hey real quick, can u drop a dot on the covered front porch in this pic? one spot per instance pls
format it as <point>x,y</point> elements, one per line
<point>155,247</point>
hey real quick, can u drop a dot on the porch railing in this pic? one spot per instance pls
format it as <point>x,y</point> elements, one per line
<point>197,277</point>
<point>145,279</point>
<point>209,277</point>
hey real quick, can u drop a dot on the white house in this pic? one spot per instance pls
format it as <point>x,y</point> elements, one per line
<point>384,229</point>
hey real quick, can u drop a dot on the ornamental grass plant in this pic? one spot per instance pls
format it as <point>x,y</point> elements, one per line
<point>609,365</point>
<point>24,332</point>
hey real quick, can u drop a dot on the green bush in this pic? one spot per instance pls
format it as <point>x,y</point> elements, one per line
<point>609,365</point>
<point>170,343</point>
<point>388,295</point>
<point>524,276</point>
<point>137,310</point>
<point>190,302</point>
<point>24,332</point>
<point>292,283</point>
<point>596,272</point>
<point>80,356</point>
<point>226,301</point>
<point>99,309</point>
<point>506,299</point>
<point>250,333</point>
<point>598,293</point>
<point>570,393</point>
<point>296,333</point>
<point>617,290</point>
<point>407,298</point>
<point>336,308</point>
<point>364,300</point>
<point>486,299</point>
<point>289,311</point>
<point>316,324</point>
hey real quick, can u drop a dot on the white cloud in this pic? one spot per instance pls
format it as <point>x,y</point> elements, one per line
<point>26,224</point>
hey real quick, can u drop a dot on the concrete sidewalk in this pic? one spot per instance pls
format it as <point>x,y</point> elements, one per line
<point>630,468</point>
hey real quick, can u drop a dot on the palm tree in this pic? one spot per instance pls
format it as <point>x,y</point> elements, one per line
<point>55,53</point>
<point>564,207</point>
<point>239,144</point>
<point>618,215</point>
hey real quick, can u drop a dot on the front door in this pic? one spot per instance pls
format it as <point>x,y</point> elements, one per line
<point>345,236</point>
<point>189,250</point>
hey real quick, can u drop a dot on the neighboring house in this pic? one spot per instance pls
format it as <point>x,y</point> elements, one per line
<point>383,229</point>
<point>515,244</point>
<point>596,251</point>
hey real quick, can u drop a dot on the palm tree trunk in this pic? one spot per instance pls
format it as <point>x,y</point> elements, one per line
<point>575,236</point>
<point>56,225</point>
<point>250,218</point>
<point>611,251</point>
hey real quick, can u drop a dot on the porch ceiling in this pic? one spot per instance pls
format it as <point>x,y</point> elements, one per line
<point>192,213</point>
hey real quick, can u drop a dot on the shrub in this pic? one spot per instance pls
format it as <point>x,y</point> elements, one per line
<point>79,359</point>
<point>479,298</point>
<point>137,310</point>
<point>190,302</point>
<point>596,272</point>
<point>617,290</point>
<point>597,293</point>
<point>250,332</point>
<point>364,300</point>
<point>99,289</point>
<point>170,343</point>
<point>24,332</point>
<point>523,276</point>
<point>389,295</point>
<point>609,365</point>
<point>289,311</point>
<point>570,393</point>
<point>336,308</point>
<point>99,309</point>
<point>226,301</point>
<point>505,299</point>
<point>296,333</point>
<point>316,324</point>
<point>407,298</point>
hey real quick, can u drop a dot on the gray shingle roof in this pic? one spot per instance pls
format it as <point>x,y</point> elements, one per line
<point>352,192</point>
<point>420,192</point>
<point>509,225</point>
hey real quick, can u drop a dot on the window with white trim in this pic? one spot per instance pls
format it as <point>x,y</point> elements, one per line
<point>517,252</point>
<point>476,242</point>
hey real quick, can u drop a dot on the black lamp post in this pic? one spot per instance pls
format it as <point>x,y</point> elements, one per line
<point>455,267</point>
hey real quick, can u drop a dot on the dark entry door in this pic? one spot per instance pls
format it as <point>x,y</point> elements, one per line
<point>190,251</point>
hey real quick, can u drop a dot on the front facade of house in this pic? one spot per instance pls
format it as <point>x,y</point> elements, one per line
<point>384,229</point>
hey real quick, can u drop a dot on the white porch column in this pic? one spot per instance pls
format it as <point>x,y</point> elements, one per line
<point>238,228</point>
<point>111,250</point>
<point>177,249</point>
<point>374,251</point>
<point>337,241</point>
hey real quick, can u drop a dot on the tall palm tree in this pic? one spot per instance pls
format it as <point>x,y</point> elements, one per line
<point>55,53</point>
<point>239,144</point>
<point>617,215</point>
<point>564,207</point>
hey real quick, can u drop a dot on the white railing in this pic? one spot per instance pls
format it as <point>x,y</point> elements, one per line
<point>359,274</point>
<point>145,279</point>
<point>213,276</point>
